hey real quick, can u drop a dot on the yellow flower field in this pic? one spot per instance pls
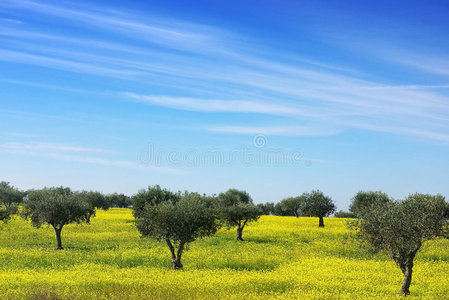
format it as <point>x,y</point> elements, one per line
<point>282,258</point>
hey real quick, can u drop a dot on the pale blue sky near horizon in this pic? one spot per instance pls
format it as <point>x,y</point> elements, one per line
<point>286,96</point>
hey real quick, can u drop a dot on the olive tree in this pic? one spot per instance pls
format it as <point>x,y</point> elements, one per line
<point>152,196</point>
<point>56,207</point>
<point>316,204</point>
<point>401,227</point>
<point>177,219</point>
<point>363,201</point>
<point>290,206</point>
<point>95,200</point>
<point>267,208</point>
<point>118,200</point>
<point>236,209</point>
<point>9,198</point>
<point>278,211</point>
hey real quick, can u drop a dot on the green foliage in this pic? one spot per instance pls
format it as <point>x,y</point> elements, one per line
<point>182,221</point>
<point>267,208</point>
<point>152,196</point>
<point>344,214</point>
<point>279,212</point>
<point>446,214</point>
<point>236,209</point>
<point>10,195</point>
<point>56,207</point>
<point>239,214</point>
<point>233,197</point>
<point>363,201</point>
<point>178,219</point>
<point>118,200</point>
<point>290,206</point>
<point>316,204</point>
<point>95,200</point>
<point>401,227</point>
<point>9,199</point>
<point>7,211</point>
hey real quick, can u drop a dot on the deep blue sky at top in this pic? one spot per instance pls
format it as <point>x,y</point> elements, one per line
<point>274,97</point>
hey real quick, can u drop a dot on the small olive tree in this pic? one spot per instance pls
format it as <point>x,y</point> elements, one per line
<point>363,201</point>
<point>56,207</point>
<point>290,206</point>
<point>401,227</point>
<point>177,219</point>
<point>236,209</point>
<point>95,200</point>
<point>9,199</point>
<point>316,204</point>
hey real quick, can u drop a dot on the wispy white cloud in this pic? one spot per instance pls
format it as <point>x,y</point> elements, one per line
<point>53,87</point>
<point>9,20</point>
<point>74,66</point>
<point>429,60</point>
<point>50,147</point>
<point>432,64</point>
<point>115,163</point>
<point>294,130</point>
<point>214,105</point>
<point>439,134</point>
<point>79,155</point>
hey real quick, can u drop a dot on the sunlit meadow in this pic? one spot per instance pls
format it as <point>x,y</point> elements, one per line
<point>282,257</point>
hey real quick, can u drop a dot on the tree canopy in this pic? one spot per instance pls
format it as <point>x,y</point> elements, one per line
<point>177,219</point>
<point>118,200</point>
<point>152,196</point>
<point>345,214</point>
<point>291,206</point>
<point>363,201</point>
<point>316,204</point>
<point>401,227</point>
<point>236,209</point>
<point>56,207</point>
<point>95,200</point>
<point>267,208</point>
<point>9,199</point>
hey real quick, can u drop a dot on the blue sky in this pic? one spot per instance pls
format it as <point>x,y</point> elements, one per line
<point>274,97</point>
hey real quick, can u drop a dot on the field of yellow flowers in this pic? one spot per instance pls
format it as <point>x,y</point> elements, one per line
<point>282,257</point>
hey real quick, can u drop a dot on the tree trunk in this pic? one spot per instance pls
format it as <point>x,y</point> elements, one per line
<point>405,288</point>
<point>321,222</point>
<point>58,237</point>
<point>175,258</point>
<point>176,264</point>
<point>239,234</point>
<point>88,219</point>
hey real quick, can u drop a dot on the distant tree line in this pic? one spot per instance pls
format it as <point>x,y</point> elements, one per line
<point>378,223</point>
<point>313,204</point>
